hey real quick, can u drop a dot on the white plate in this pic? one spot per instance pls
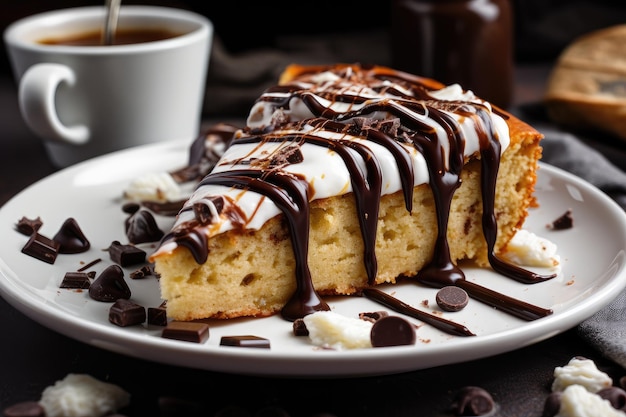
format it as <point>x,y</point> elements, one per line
<point>593,273</point>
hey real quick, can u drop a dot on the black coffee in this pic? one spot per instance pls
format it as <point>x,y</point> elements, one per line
<point>122,37</point>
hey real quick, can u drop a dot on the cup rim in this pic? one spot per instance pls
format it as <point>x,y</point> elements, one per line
<point>14,32</point>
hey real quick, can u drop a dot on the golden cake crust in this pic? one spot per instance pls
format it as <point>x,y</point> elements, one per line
<point>251,272</point>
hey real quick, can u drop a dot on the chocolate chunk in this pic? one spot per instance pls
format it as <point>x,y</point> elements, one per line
<point>157,316</point>
<point>392,331</point>
<point>299,328</point>
<point>141,227</point>
<point>110,285</point>
<point>42,248</point>
<point>76,280</point>
<point>290,154</point>
<point>565,221</point>
<point>245,341</point>
<point>144,271</point>
<point>373,316</point>
<point>187,331</point>
<point>131,208</point>
<point>472,401</point>
<point>616,396</point>
<point>28,226</point>
<point>126,313</point>
<point>126,255</point>
<point>25,409</point>
<point>71,238</point>
<point>452,298</point>
<point>552,404</point>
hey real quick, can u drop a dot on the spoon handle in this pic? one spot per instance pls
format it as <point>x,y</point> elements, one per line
<point>110,24</point>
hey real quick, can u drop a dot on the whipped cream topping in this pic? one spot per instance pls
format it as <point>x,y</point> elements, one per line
<point>347,96</point>
<point>369,131</point>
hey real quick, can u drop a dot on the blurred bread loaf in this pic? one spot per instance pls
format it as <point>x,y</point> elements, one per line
<point>587,87</point>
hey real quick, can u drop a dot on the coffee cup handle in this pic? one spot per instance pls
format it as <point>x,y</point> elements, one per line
<point>37,90</point>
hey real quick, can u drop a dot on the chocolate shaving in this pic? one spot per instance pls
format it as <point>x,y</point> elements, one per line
<point>565,221</point>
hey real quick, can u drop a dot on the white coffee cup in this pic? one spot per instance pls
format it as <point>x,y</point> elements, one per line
<point>85,101</point>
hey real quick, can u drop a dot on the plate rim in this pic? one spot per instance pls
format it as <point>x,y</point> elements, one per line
<point>301,364</point>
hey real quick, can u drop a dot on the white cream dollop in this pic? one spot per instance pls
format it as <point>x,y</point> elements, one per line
<point>81,395</point>
<point>333,330</point>
<point>576,401</point>
<point>157,186</point>
<point>583,372</point>
<point>528,249</point>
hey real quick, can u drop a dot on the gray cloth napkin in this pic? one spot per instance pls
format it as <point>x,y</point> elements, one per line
<point>605,330</point>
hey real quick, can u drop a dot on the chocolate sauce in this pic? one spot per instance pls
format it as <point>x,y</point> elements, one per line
<point>401,307</point>
<point>405,126</point>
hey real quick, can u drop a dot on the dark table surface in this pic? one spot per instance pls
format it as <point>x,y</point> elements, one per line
<point>33,357</point>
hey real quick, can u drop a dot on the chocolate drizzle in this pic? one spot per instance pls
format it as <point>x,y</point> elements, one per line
<point>290,193</point>
<point>408,122</point>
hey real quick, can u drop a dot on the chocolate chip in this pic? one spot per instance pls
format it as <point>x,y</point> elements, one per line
<point>126,313</point>
<point>565,221</point>
<point>299,328</point>
<point>126,255</point>
<point>473,401</point>
<point>110,285</point>
<point>28,226</point>
<point>141,227</point>
<point>42,248</point>
<point>157,316</point>
<point>552,404</point>
<point>616,396</point>
<point>187,331</point>
<point>373,316</point>
<point>25,409</point>
<point>131,208</point>
<point>245,341</point>
<point>71,238</point>
<point>76,280</point>
<point>392,331</point>
<point>452,298</point>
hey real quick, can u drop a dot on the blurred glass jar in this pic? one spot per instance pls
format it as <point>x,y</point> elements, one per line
<point>469,42</point>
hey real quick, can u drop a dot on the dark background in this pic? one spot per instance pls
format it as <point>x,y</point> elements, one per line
<point>542,27</point>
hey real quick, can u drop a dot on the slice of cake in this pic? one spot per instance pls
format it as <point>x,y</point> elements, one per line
<point>348,176</point>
